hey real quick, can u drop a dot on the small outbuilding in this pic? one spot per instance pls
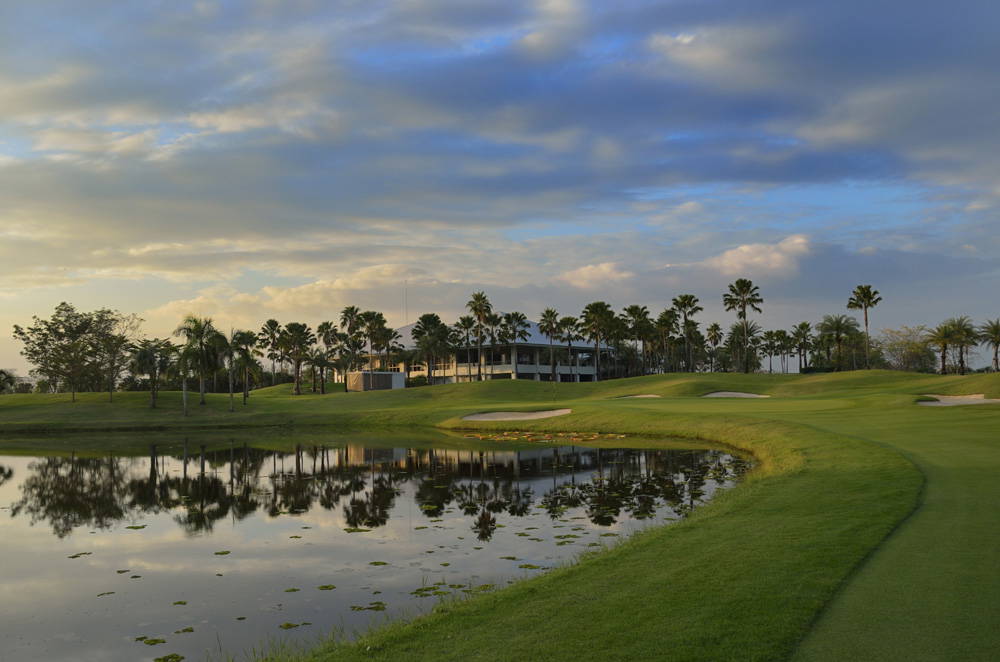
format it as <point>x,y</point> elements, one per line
<point>375,380</point>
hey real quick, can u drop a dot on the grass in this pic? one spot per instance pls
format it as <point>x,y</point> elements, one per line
<point>867,531</point>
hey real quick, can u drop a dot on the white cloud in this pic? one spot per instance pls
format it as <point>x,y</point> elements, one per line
<point>781,258</point>
<point>595,276</point>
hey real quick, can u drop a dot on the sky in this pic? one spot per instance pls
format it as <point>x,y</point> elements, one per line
<point>262,158</point>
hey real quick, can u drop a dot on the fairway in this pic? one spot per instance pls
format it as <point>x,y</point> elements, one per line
<point>869,529</point>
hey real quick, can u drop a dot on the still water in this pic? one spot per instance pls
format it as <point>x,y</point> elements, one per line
<point>192,552</point>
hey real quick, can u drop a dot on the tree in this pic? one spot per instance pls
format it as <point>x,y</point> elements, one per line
<point>989,332</point>
<point>802,339</point>
<point>964,337</point>
<point>7,380</point>
<point>201,337</point>
<point>244,349</point>
<point>268,340</point>
<point>61,347</point>
<point>837,329</point>
<point>906,348</point>
<point>638,325</point>
<point>332,340</point>
<point>428,334</point>
<point>666,328</point>
<point>569,333</point>
<point>152,358</point>
<point>515,326</point>
<point>687,306</point>
<point>743,294</point>
<point>942,336</point>
<point>480,307</point>
<point>769,343</point>
<point>492,332</point>
<point>464,327</point>
<point>864,298</point>
<point>595,324</point>
<point>548,325</point>
<point>713,334</point>
<point>114,335</point>
<point>297,339</point>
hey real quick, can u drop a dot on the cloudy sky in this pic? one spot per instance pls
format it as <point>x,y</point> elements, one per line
<point>248,159</point>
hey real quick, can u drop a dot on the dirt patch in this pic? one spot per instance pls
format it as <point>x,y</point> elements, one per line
<point>957,400</point>
<point>516,415</point>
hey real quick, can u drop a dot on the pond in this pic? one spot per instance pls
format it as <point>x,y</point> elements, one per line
<point>193,550</point>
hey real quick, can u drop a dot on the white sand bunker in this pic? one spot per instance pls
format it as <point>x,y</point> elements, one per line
<point>516,415</point>
<point>644,395</point>
<point>956,400</point>
<point>733,394</point>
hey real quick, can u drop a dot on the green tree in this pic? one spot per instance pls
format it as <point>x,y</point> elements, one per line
<point>268,339</point>
<point>743,294</point>
<point>113,336</point>
<point>431,336</point>
<point>864,298</point>
<point>548,325</point>
<point>480,308</point>
<point>202,338</point>
<point>297,340</point>
<point>667,326</point>
<point>965,336</point>
<point>7,381</point>
<point>989,332</point>
<point>152,357</point>
<point>244,347</point>
<point>60,348</point>
<point>837,329</point>
<point>464,327</point>
<point>515,328</point>
<point>596,323</point>
<point>802,338</point>
<point>906,348</point>
<point>714,336</point>
<point>942,337</point>
<point>569,333</point>
<point>638,325</point>
<point>687,306</point>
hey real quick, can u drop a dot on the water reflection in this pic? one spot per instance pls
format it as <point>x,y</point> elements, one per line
<point>202,488</point>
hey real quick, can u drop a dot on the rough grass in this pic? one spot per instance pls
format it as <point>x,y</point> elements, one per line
<point>804,559</point>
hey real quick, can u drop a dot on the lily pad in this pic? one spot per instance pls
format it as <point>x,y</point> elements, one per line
<point>509,558</point>
<point>136,527</point>
<point>79,554</point>
<point>326,587</point>
<point>378,563</point>
<point>241,618</point>
<point>183,630</point>
<point>378,605</point>
<point>288,626</point>
<point>354,529</point>
<point>223,552</point>
<point>122,572</point>
<point>151,641</point>
<point>294,536</point>
<point>529,566</point>
<point>136,577</point>
<point>181,602</point>
<point>292,590</point>
<point>173,657</point>
<point>101,595</point>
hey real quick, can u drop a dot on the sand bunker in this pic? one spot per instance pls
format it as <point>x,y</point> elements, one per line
<point>644,395</point>
<point>956,400</point>
<point>733,394</point>
<point>516,415</point>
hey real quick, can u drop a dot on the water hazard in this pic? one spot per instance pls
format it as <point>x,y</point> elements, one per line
<point>190,551</point>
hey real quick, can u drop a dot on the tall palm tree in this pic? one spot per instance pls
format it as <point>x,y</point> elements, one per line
<point>837,329</point>
<point>267,339</point>
<point>802,338</point>
<point>637,322</point>
<point>713,334</point>
<point>743,294</point>
<point>548,325</point>
<point>152,357</point>
<point>244,349</point>
<point>687,306</point>
<point>596,323</point>
<point>332,339</point>
<point>569,333</point>
<point>667,326</point>
<point>465,326</point>
<point>942,336</point>
<point>202,338</point>
<point>769,343</point>
<point>428,333</point>
<point>493,323</point>
<point>515,329</point>
<point>350,319</point>
<point>864,298</point>
<point>480,307</point>
<point>965,336</point>
<point>989,333</point>
<point>297,340</point>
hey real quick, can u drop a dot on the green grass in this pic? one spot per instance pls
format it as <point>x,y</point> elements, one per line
<point>868,530</point>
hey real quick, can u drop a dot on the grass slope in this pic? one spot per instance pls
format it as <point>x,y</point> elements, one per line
<point>843,461</point>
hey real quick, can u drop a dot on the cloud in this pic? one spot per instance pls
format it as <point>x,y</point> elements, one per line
<point>595,276</point>
<point>781,258</point>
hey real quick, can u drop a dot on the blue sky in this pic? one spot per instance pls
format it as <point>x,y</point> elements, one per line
<point>261,158</point>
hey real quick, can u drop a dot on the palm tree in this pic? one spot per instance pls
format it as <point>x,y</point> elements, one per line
<point>428,333</point>
<point>569,333</point>
<point>942,336</point>
<point>837,328</point>
<point>743,294</point>
<point>863,298</point>
<point>226,352</point>
<point>200,335</point>
<point>595,323</point>
<point>267,339</point>
<point>480,307</point>
<point>802,338</point>
<point>638,324</point>
<point>687,306</point>
<point>152,358</point>
<point>493,323</point>
<point>713,334</point>
<point>515,328</point>
<point>989,333</point>
<point>297,339</point>
<point>666,327</point>
<point>350,320</point>
<point>548,325</point>
<point>465,325</point>
<point>244,349</point>
<point>332,339</point>
<point>965,336</point>
<point>769,343</point>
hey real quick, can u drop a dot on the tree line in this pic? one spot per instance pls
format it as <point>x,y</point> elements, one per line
<point>75,351</point>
